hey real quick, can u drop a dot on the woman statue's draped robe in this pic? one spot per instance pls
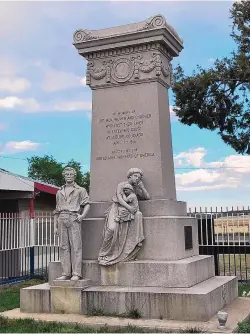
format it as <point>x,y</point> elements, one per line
<point>121,241</point>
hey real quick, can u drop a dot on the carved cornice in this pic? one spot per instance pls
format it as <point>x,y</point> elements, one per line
<point>159,21</point>
<point>83,36</point>
<point>154,22</point>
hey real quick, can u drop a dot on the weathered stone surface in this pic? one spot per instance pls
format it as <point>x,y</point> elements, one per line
<point>181,273</point>
<point>131,127</point>
<point>164,238</point>
<point>35,299</point>
<point>124,32</point>
<point>65,300</point>
<point>54,270</point>
<point>83,283</point>
<point>198,303</point>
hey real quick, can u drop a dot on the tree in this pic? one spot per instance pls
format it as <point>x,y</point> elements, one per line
<point>48,170</point>
<point>218,98</point>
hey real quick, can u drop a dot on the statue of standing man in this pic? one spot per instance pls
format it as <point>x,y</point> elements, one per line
<point>72,206</point>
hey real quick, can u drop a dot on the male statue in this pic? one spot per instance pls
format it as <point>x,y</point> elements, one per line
<point>72,206</point>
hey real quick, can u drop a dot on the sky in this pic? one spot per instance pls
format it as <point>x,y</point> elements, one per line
<point>45,105</point>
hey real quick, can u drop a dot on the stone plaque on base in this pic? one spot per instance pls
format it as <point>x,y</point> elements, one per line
<point>188,235</point>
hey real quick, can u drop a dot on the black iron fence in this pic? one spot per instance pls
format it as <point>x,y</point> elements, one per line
<point>224,233</point>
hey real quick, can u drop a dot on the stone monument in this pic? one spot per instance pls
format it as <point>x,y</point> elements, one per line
<point>129,71</point>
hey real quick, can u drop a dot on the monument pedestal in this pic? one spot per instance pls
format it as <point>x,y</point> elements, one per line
<point>167,280</point>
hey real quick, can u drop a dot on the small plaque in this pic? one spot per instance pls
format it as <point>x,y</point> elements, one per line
<point>188,234</point>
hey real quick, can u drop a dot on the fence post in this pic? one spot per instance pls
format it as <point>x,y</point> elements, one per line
<point>32,238</point>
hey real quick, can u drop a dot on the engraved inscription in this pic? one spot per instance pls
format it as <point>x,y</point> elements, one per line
<point>125,128</point>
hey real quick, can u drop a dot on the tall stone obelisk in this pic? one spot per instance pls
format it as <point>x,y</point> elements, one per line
<point>129,72</point>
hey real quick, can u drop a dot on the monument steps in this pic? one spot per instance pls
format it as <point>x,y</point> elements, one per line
<point>199,302</point>
<point>180,273</point>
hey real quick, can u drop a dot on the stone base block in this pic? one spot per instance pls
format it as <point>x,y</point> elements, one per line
<point>150,208</point>
<point>164,238</point>
<point>66,299</point>
<point>35,299</point>
<point>181,273</point>
<point>83,283</point>
<point>198,303</point>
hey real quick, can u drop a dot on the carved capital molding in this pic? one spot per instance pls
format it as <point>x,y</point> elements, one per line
<point>130,50</point>
<point>128,69</point>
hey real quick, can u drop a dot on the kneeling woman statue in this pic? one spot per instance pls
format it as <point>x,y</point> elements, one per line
<point>123,229</point>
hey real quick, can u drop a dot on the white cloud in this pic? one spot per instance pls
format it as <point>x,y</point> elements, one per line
<point>231,172</point>
<point>10,79</point>
<point>200,175</point>
<point>73,106</point>
<point>14,84</point>
<point>208,187</point>
<point>55,80</point>
<point>193,157</point>
<point>25,105</point>
<point>237,163</point>
<point>20,146</point>
<point>31,105</point>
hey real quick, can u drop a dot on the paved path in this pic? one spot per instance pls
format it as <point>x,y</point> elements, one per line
<point>238,310</point>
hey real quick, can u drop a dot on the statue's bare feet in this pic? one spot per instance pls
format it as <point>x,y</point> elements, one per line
<point>75,278</point>
<point>63,278</point>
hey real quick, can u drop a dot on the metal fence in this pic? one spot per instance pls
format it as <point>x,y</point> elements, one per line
<point>225,233</point>
<point>28,245</point>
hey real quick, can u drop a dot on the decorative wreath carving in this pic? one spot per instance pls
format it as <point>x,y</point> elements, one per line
<point>94,72</point>
<point>122,69</point>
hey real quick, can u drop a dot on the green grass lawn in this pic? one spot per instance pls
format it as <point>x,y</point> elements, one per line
<point>32,326</point>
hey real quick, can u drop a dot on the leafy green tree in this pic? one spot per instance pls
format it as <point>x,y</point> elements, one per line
<point>218,98</point>
<point>48,170</point>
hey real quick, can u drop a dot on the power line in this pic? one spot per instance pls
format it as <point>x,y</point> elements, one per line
<point>6,157</point>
